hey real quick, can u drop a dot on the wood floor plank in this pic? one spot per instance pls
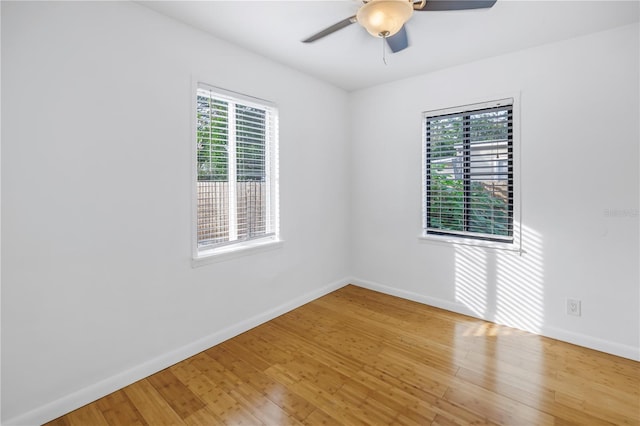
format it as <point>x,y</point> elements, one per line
<point>261,407</point>
<point>319,398</point>
<point>442,421</point>
<point>603,408</point>
<point>180,398</point>
<point>458,414</point>
<point>528,393</point>
<point>220,404</point>
<point>87,415</point>
<point>117,408</point>
<point>357,357</point>
<point>60,421</point>
<point>363,407</point>
<point>297,344</point>
<point>415,409</point>
<point>414,373</point>
<point>319,417</point>
<point>280,395</point>
<point>204,416</point>
<point>255,345</point>
<point>151,405</point>
<point>497,408</point>
<point>323,377</point>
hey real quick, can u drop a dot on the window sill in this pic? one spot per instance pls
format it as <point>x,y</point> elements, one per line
<point>234,251</point>
<point>443,239</point>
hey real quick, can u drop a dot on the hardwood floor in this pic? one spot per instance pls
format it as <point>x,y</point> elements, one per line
<point>360,357</point>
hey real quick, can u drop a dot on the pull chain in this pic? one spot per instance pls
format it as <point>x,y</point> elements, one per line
<point>384,51</point>
<point>383,35</point>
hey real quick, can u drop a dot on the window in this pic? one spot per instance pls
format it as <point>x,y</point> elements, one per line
<point>468,172</point>
<point>236,171</point>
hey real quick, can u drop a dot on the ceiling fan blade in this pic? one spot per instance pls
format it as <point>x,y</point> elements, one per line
<point>434,5</point>
<point>398,41</point>
<point>335,27</point>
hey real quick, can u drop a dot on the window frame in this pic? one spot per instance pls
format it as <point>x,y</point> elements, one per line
<point>232,249</point>
<point>460,239</point>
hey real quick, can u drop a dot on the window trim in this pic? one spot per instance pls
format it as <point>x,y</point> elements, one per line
<point>202,256</point>
<point>233,251</point>
<point>514,245</point>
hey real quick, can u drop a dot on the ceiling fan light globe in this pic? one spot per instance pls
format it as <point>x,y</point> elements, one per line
<point>384,18</point>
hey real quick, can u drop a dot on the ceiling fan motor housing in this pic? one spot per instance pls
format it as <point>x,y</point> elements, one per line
<point>384,18</point>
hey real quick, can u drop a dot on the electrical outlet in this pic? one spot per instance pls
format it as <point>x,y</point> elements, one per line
<point>574,307</point>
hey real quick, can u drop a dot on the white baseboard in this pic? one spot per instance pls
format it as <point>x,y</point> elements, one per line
<point>91,393</point>
<point>624,351</point>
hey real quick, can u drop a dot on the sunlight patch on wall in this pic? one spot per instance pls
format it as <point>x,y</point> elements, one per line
<point>503,286</point>
<point>519,285</point>
<point>471,279</point>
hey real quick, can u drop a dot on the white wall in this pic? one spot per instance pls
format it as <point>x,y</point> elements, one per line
<point>97,285</point>
<point>579,140</point>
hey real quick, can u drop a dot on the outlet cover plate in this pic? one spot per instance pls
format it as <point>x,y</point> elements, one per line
<point>574,307</point>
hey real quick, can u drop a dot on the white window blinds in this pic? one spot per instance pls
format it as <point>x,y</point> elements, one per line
<point>469,171</point>
<point>236,143</point>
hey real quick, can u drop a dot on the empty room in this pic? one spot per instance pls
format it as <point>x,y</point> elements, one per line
<point>320,212</point>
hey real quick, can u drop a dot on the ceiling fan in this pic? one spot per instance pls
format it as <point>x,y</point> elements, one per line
<point>386,18</point>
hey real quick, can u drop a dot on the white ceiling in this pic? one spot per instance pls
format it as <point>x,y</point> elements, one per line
<point>352,59</point>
